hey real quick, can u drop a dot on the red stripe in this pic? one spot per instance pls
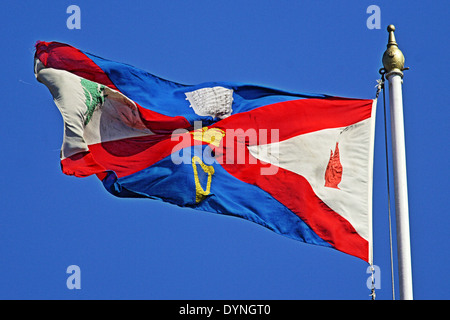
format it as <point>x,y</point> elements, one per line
<point>125,156</point>
<point>161,124</point>
<point>131,155</point>
<point>64,57</point>
<point>82,165</point>
<point>296,117</point>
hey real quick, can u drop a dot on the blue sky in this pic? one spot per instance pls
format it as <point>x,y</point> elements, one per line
<point>144,249</point>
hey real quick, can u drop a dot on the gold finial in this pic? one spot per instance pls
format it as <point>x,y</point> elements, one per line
<point>393,59</point>
<point>391,29</point>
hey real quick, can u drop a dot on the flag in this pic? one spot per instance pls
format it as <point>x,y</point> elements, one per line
<point>298,164</point>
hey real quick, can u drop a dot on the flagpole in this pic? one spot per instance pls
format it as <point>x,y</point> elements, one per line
<point>393,62</point>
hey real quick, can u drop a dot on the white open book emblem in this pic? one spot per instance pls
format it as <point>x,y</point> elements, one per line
<point>215,101</point>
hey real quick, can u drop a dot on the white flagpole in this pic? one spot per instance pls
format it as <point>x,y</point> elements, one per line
<point>393,62</point>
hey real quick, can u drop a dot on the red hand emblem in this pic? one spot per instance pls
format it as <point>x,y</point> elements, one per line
<point>333,174</point>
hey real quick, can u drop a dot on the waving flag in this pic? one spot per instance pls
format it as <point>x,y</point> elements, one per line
<point>298,164</point>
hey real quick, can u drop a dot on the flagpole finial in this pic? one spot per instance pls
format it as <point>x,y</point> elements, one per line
<point>393,59</point>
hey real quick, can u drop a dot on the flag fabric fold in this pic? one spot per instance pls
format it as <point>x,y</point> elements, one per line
<point>298,164</point>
